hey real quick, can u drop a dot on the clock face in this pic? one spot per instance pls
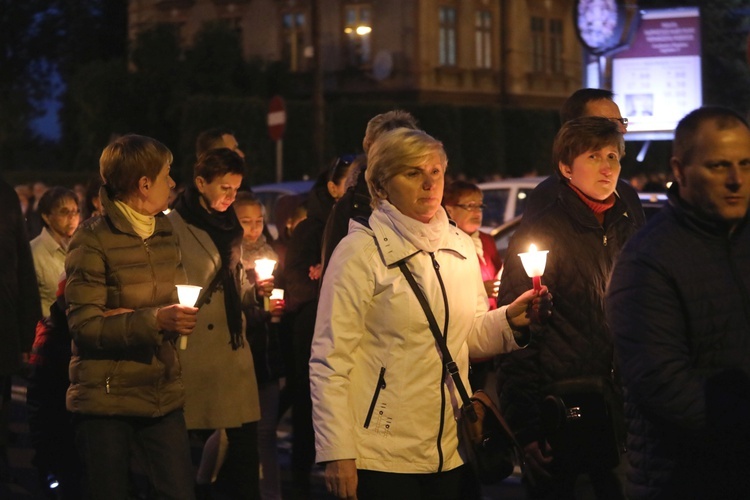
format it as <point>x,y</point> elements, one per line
<point>597,22</point>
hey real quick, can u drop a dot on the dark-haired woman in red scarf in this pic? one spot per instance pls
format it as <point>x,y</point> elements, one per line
<point>583,230</point>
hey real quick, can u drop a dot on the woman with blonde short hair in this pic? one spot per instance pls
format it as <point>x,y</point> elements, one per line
<point>126,387</point>
<point>384,410</point>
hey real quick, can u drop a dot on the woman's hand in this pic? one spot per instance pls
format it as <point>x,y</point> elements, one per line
<point>177,318</point>
<point>315,271</point>
<point>115,312</point>
<point>264,288</point>
<point>277,307</point>
<point>492,287</point>
<point>537,460</point>
<point>341,478</point>
<point>530,307</point>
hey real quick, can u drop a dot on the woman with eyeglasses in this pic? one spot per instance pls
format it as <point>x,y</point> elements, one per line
<point>302,269</point>
<point>463,202</point>
<point>58,209</point>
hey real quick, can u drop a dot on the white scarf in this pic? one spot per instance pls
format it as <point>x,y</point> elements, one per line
<point>424,236</point>
<point>478,245</point>
<point>143,225</point>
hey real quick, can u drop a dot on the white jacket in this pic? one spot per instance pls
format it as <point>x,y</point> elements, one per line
<point>376,374</point>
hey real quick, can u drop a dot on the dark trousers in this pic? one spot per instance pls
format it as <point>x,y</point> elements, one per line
<point>105,444</point>
<point>456,484</point>
<point>303,437</point>
<point>603,484</point>
<point>51,431</point>
<point>6,382</point>
<point>239,476</point>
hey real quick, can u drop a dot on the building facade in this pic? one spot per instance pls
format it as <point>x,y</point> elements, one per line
<point>519,53</point>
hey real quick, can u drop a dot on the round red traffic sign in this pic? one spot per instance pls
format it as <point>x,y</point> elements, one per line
<point>276,118</point>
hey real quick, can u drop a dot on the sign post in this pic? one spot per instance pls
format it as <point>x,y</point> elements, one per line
<point>276,124</point>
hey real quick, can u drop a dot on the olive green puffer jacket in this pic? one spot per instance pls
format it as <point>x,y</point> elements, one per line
<point>121,363</point>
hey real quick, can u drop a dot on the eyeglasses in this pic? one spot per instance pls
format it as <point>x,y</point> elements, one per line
<point>64,212</point>
<point>622,121</point>
<point>472,207</point>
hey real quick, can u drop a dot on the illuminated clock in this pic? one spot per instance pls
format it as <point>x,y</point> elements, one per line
<point>598,23</point>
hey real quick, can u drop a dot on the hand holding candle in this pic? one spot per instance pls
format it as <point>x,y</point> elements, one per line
<point>276,301</point>
<point>534,262</point>
<point>188,295</point>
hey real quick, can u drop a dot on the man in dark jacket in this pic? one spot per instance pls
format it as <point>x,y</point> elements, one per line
<point>19,303</point>
<point>679,307</point>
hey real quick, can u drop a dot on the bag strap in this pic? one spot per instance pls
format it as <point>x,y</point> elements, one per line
<point>450,365</point>
<point>208,291</point>
<point>467,409</point>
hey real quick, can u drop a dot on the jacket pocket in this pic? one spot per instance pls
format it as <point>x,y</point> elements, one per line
<point>380,385</point>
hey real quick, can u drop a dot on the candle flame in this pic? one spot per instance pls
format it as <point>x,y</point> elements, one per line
<point>534,261</point>
<point>264,268</point>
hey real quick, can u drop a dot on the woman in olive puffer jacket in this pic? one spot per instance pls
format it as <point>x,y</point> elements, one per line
<point>125,377</point>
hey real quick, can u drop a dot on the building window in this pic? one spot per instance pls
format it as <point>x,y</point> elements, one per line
<point>447,18</point>
<point>556,45</point>
<point>293,46</point>
<point>483,38</point>
<point>537,44</point>
<point>546,45</point>
<point>357,32</point>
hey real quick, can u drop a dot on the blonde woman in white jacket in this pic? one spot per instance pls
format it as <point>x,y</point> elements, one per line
<point>384,409</point>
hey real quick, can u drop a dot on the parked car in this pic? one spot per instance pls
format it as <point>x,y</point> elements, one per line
<point>506,199</point>
<point>269,195</point>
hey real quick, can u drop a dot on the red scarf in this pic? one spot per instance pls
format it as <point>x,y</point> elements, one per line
<point>596,206</point>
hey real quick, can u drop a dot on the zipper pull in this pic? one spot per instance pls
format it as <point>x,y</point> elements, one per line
<point>605,240</point>
<point>106,385</point>
<point>434,262</point>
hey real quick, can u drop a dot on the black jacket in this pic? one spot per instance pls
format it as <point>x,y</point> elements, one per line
<point>547,191</point>
<point>355,203</point>
<point>20,308</point>
<point>305,247</point>
<point>679,309</point>
<point>575,341</point>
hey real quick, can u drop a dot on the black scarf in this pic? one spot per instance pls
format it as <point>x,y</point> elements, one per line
<point>226,233</point>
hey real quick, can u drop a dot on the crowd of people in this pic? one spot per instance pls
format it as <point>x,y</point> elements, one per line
<point>649,329</point>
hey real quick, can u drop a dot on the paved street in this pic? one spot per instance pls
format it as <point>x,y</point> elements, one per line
<point>24,484</point>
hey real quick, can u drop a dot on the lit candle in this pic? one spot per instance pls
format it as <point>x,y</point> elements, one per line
<point>533,262</point>
<point>264,271</point>
<point>264,268</point>
<point>188,295</point>
<point>276,295</point>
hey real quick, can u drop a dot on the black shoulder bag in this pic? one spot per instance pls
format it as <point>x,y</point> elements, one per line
<point>491,447</point>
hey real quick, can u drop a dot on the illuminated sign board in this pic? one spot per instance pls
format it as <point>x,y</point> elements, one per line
<point>657,80</point>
